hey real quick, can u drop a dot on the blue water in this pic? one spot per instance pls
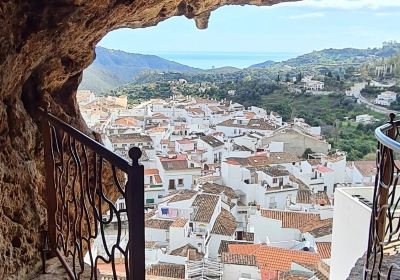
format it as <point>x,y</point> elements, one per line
<point>207,60</point>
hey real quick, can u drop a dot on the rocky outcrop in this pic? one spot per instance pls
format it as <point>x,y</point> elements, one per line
<point>44,46</point>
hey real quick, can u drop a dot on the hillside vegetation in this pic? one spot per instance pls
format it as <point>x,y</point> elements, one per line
<point>112,68</point>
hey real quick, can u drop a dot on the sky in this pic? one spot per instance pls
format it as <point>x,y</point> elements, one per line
<point>283,30</point>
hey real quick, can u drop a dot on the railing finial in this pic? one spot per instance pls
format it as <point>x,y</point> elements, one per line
<point>392,116</point>
<point>135,153</point>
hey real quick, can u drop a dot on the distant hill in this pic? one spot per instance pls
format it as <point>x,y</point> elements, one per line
<point>329,57</point>
<point>112,68</point>
<point>223,70</point>
<point>263,64</point>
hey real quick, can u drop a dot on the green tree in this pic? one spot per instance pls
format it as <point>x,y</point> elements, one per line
<point>307,151</point>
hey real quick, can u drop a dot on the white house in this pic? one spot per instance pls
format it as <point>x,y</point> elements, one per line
<point>310,84</point>
<point>240,126</point>
<point>362,172</point>
<point>351,222</point>
<point>185,145</point>
<point>385,98</point>
<point>365,119</point>
<point>154,190</point>
<point>214,149</point>
<point>176,173</point>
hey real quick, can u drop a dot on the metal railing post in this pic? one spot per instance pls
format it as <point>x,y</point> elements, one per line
<point>50,183</point>
<point>135,210</point>
<point>385,181</point>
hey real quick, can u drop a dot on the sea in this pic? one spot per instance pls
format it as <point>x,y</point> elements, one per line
<point>209,60</point>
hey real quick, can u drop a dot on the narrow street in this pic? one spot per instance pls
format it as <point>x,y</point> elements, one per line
<point>356,92</point>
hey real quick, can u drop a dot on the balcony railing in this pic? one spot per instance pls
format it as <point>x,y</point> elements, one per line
<point>382,260</point>
<point>83,180</point>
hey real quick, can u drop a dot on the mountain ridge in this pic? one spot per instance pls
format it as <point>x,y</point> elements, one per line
<point>113,68</point>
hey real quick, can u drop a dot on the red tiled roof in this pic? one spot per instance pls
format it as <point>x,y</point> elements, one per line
<point>225,224</point>
<point>204,207</point>
<point>239,259</point>
<point>126,121</point>
<point>182,195</point>
<point>185,141</point>
<point>324,249</point>
<point>366,168</point>
<point>180,222</point>
<point>158,224</point>
<point>167,270</point>
<point>290,219</point>
<point>274,258</point>
<point>174,158</point>
<point>152,171</point>
<point>323,169</point>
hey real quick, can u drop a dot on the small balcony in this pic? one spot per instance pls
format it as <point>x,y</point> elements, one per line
<point>83,181</point>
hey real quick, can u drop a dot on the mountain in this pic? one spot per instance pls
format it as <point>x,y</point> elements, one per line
<point>222,70</point>
<point>112,68</point>
<point>263,64</point>
<point>328,57</point>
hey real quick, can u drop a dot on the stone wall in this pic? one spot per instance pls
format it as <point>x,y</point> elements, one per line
<point>44,46</point>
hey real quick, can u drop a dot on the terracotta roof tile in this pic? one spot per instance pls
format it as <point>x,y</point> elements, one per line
<point>152,171</point>
<point>318,228</point>
<point>274,258</point>
<point>240,259</point>
<point>130,138</point>
<point>290,219</point>
<point>212,141</point>
<point>180,222</point>
<point>167,270</point>
<point>225,224</point>
<point>182,195</point>
<point>366,168</point>
<point>223,246</point>
<point>158,223</point>
<point>214,188</point>
<point>187,249</point>
<point>306,196</point>
<point>324,249</point>
<point>204,207</point>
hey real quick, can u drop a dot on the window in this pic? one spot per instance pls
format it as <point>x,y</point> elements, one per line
<point>195,146</point>
<point>325,188</point>
<point>180,181</point>
<point>121,205</point>
<point>235,131</point>
<point>215,158</point>
<point>149,200</point>
<point>151,179</point>
<point>274,180</point>
<point>160,196</point>
<point>192,164</point>
<point>171,185</point>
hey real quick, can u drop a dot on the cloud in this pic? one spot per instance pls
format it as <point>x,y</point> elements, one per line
<point>307,15</point>
<point>346,4</point>
<point>388,14</point>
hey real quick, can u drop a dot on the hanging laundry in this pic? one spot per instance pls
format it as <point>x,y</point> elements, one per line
<point>164,211</point>
<point>173,213</point>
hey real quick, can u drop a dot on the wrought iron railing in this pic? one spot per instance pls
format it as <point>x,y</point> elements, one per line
<point>83,180</point>
<point>382,260</point>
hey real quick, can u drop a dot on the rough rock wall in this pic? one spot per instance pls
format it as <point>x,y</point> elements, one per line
<point>44,46</point>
